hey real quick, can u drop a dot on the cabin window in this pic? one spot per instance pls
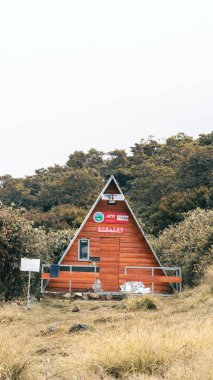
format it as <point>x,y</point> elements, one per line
<point>83,249</point>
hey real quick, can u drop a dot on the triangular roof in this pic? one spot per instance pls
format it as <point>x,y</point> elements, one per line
<point>112,178</point>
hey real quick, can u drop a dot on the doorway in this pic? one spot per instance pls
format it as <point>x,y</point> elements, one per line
<point>109,263</point>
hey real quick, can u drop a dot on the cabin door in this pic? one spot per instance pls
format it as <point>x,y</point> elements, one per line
<point>109,263</point>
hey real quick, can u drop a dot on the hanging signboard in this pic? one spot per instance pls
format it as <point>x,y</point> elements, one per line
<point>110,217</point>
<point>106,197</point>
<point>111,230</point>
<point>118,197</point>
<point>30,265</point>
<point>115,217</point>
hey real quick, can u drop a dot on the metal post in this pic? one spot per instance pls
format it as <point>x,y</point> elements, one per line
<point>96,273</point>
<point>28,293</point>
<point>42,281</point>
<point>70,285</point>
<point>152,281</point>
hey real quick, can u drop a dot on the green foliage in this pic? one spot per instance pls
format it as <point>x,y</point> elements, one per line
<point>163,180</point>
<point>189,245</point>
<point>197,168</point>
<point>13,190</point>
<point>19,239</point>
<point>79,160</point>
<point>169,179</point>
<point>172,207</point>
<point>206,139</point>
<point>117,163</point>
<point>152,182</point>
<point>58,217</point>
<point>76,187</point>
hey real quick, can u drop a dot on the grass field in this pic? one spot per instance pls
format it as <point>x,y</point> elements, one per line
<point>125,340</point>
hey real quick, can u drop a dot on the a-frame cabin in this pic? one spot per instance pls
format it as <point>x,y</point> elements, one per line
<point>108,243</point>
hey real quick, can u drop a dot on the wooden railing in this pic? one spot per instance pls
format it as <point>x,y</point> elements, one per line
<point>153,278</point>
<point>69,275</point>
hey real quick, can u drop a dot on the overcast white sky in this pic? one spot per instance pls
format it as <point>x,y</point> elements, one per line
<point>104,74</point>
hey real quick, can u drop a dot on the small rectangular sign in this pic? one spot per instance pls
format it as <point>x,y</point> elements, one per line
<point>122,218</point>
<point>118,197</point>
<point>111,230</point>
<point>115,217</point>
<point>106,197</point>
<point>30,265</point>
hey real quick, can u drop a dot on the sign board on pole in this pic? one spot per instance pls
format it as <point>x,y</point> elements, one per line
<point>30,265</point>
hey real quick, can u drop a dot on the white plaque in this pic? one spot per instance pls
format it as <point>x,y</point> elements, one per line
<point>30,265</point>
<point>118,197</point>
<point>106,197</point>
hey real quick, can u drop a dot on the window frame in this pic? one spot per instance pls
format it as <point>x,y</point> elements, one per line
<point>88,253</point>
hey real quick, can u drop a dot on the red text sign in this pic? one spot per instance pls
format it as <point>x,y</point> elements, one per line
<point>111,230</point>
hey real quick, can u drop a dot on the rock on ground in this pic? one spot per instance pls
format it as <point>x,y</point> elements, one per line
<point>78,327</point>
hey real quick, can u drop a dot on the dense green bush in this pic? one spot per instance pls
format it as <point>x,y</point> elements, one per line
<point>189,245</point>
<point>19,239</point>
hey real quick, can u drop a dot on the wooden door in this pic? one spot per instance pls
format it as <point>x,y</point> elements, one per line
<point>109,263</point>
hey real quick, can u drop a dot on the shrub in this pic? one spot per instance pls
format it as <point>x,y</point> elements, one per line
<point>135,303</point>
<point>19,239</point>
<point>188,245</point>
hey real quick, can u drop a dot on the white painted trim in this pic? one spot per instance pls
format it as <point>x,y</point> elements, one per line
<point>88,255</point>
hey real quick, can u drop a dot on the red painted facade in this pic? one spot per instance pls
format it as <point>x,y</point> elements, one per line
<point>115,242</point>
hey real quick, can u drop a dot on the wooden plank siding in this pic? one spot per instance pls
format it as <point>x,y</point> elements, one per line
<point>109,263</point>
<point>115,251</point>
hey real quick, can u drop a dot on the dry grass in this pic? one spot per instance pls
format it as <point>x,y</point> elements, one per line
<point>175,341</point>
<point>136,303</point>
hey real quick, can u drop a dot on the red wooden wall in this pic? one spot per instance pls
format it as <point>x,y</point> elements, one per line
<point>114,250</point>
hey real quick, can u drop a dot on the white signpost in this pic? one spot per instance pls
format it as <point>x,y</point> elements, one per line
<point>29,265</point>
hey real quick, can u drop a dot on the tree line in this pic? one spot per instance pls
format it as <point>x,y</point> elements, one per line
<point>162,180</point>
<point>168,184</point>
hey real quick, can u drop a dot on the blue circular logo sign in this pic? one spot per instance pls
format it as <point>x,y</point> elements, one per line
<point>98,217</point>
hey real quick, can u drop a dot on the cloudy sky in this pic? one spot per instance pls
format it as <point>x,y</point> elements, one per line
<point>104,74</point>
